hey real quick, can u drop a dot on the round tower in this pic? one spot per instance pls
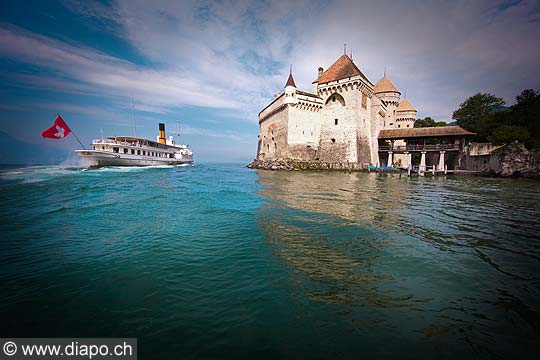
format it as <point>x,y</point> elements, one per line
<point>290,89</point>
<point>390,96</point>
<point>405,114</point>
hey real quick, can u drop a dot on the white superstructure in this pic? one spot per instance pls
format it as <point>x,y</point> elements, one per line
<point>134,151</point>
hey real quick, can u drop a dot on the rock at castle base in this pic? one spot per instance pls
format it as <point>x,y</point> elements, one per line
<point>274,164</point>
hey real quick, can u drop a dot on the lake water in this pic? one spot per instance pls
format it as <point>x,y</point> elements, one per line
<point>219,261</point>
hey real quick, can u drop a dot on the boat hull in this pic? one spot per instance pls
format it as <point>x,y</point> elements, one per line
<point>106,158</point>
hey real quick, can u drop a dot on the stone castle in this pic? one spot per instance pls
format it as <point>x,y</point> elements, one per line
<point>339,122</point>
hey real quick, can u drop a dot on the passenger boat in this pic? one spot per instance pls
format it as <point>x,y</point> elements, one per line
<point>135,151</point>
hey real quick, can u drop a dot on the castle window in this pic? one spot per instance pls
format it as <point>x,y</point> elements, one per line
<point>399,126</point>
<point>335,121</point>
<point>407,125</point>
<point>334,98</point>
<point>333,140</point>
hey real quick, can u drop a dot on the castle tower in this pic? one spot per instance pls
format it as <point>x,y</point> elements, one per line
<point>405,114</point>
<point>390,96</point>
<point>290,89</point>
<point>348,124</point>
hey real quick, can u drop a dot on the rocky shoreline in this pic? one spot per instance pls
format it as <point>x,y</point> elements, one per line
<point>292,165</point>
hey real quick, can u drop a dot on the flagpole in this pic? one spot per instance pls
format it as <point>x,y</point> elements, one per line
<point>76,137</point>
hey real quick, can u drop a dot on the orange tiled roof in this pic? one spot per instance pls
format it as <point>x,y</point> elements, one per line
<point>341,69</point>
<point>385,85</point>
<point>405,105</point>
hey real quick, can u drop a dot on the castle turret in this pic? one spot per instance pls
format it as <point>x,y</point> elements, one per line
<point>290,89</point>
<point>390,96</point>
<point>405,114</point>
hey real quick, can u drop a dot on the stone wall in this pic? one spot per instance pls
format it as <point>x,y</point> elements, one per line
<point>273,131</point>
<point>477,149</point>
<point>511,160</point>
<point>304,126</point>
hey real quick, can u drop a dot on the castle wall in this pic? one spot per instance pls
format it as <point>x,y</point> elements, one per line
<point>338,143</point>
<point>273,127</point>
<point>304,130</point>
<point>378,112</point>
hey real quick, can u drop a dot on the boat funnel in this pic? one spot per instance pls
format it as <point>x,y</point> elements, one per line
<point>162,133</point>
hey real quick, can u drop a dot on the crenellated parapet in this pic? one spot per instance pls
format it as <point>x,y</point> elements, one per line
<point>345,85</point>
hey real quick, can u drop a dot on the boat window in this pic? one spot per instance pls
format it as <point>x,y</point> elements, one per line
<point>125,150</point>
<point>138,152</point>
<point>103,148</point>
<point>93,147</point>
<point>133,151</point>
<point>115,149</point>
<point>144,152</point>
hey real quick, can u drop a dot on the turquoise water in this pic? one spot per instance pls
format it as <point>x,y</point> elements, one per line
<point>219,261</point>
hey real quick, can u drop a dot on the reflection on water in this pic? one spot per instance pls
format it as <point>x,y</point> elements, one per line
<point>454,259</point>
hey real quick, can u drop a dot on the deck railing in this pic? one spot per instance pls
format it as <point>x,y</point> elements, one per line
<point>419,147</point>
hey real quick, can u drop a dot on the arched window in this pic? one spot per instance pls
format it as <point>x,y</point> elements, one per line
<point>335,99</point>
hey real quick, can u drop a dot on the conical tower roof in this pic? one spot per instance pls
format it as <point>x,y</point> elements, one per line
<point>405,105</point>
<point>341,69</point>
<point>385,85</point>
<point>290,81</point>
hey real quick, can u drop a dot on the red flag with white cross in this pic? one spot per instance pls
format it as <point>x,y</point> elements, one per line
<point>59,130</point>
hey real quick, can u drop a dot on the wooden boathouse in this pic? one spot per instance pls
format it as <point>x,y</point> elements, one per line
<point>406,141</point>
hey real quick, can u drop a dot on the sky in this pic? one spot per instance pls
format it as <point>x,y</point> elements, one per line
<point>206,68</point>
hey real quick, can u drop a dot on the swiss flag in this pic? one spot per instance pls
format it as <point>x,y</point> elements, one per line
<point>59,129</point>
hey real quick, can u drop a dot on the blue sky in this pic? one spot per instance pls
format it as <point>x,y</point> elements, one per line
<point>212,65</point>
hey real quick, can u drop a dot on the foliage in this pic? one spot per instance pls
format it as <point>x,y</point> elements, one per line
<point>485,115</point>
<point>475,108</point>
<point>428,122</point>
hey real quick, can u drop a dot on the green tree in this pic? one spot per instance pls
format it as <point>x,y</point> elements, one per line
<point>428,122</point>
<point>526,113</point>
<point>475,109</point>
<point>506,134</point>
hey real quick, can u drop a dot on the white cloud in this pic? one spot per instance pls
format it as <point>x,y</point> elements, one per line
<point>235,54</point>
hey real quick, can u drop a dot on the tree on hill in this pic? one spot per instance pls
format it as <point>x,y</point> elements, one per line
<point>428,122</point>
<point>475,109</point>
<point>485,115</point>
